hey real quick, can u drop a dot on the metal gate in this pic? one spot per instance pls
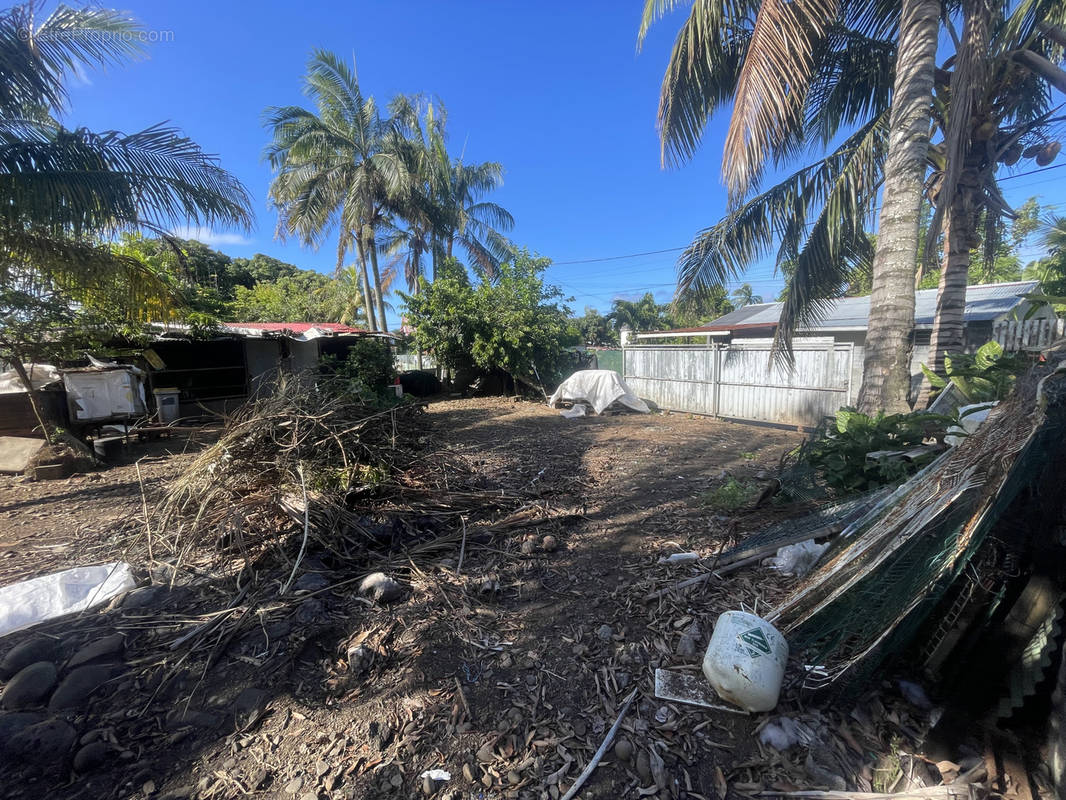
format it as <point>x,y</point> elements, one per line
<point>738,380</point>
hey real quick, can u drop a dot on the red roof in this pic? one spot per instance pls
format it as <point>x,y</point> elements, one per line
<point>295,327</point>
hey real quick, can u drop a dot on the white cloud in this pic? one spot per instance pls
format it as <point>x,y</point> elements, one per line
<point>209,237</point>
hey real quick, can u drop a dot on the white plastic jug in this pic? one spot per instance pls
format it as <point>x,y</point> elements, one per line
<point>745,661</point>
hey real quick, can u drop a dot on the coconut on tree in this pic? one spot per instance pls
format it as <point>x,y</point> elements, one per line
<point>803,74</point>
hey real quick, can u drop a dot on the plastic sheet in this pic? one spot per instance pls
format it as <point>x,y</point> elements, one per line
<point>599,388</point>
<point>29,602</point>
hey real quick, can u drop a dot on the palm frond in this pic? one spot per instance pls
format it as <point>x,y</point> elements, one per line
<point>772,85</point>
<point>832,198</point>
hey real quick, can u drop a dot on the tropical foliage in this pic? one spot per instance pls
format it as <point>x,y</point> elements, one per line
<point>818,75</point>
<point>840,452</point>
<point>382,183</point>
<point>988,374</point>
<point>515,322</point>
<point>68,193</point>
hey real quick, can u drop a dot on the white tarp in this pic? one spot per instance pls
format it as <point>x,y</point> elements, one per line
<point>40,376</point>
<point>104,394</point>
<point>598,388</point>
<point>38,599</point>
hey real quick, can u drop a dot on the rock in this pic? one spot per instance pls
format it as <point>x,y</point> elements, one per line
<point>321,768</point>
<point>644,767</point>
<point>104,647</point>
<point>429,786</point>
<point>30,687</point>
<point>29,652</point>
<point>310,610</point>
<point>548,544</point>
<point>309,796</point>
<point>293,786</point>
<point>11,724</point>
<point>145,597</point>
<point>604,632</point>
<point>623,750</point>
<point>380,588</point>
<point>310,582</point>
<point>249,707</point>
<point>259,780</point>
<point>80,685</point>
<point>691,639</point>
<point>91,756</point>
<point>470,772</point>
<point>46,743</point>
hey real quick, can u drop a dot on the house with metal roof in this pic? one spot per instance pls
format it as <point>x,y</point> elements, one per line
<point>726,367</point>
<point>985,305</point>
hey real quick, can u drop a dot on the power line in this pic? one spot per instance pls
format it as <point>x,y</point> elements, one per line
<point>617,258</point>
<point>678,249</point>
<point>1032,172</point>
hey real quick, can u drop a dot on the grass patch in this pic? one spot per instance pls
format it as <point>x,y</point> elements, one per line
<point>731,496</point>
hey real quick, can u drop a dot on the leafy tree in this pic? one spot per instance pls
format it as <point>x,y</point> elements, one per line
<point>644,314</point>
<point>1051,270</point>
<point>515,323</point>
<point>304,297</point>
<point>595,329</point>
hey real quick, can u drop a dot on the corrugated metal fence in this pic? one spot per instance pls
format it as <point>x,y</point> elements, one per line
<point>738,380</point>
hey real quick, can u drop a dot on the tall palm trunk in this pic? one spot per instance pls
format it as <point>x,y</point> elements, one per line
<point>373,248</point>
<point>961,186</point>
<point>368,304</point>
<point>960,238</point>
<point>886,375</point>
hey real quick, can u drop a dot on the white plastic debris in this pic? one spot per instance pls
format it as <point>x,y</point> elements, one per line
<point>679,558</point>
<point>797,559</point>
<point>970,419</point>
<point>28,602</point>
<point>745,661</point>
<point>784,733</point>
<point>573,413</point>
<point>436,775</point>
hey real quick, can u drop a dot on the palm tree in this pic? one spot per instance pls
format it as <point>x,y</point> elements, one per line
<point>814,219</point>
<point>744,295</point>
<point>1000,108</point>
<point>886,380</point>
<point>66,193</point>
<point>334,169</point>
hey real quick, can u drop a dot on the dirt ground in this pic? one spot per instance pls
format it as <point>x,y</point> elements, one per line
<point>503,664</point>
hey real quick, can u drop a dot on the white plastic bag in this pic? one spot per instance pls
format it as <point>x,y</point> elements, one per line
<point>28,602</point>
<point>797,559</point>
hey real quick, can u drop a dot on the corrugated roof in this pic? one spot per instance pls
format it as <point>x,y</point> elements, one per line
<point>294,327</point>
<point>985,302</point>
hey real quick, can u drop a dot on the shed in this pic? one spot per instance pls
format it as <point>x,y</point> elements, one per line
<point>222,371</point>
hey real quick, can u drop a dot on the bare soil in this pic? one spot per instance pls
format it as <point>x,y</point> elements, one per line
<point>504,664</point>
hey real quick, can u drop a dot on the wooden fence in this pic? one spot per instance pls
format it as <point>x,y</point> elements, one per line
<point>1032,334</point>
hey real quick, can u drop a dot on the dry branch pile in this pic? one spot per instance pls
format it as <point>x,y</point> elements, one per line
<point>300,459</point>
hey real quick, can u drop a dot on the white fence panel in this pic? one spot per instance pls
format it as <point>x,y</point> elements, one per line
<point>1031,334</point>
<point>741,382</point>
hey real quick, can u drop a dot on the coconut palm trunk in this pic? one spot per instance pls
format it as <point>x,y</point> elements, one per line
<point>966,149</point>
<point>886,376</point>
<point>960,238</point>
<point>368,304</point>
<point>371,245</point>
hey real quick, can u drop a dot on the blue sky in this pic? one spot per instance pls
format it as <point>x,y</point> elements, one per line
<point>553,90</point>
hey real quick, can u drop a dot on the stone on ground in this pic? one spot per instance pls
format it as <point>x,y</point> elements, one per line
<point>30,687</point>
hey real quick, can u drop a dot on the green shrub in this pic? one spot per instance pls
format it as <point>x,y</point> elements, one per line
<point>988,374</point>
<point>367,370</point>
<point>839,451</point>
